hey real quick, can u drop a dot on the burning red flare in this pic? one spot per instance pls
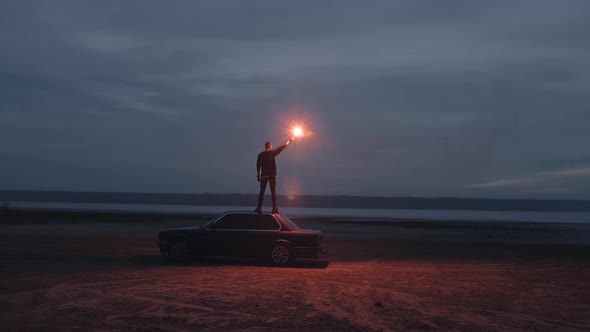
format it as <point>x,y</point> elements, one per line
<point>297,131</point>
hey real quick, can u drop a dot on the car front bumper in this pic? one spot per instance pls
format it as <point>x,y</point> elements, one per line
<point>309,252</point>
<point>163,245</point>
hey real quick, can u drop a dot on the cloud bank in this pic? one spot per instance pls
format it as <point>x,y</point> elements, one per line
<point>408,98</point>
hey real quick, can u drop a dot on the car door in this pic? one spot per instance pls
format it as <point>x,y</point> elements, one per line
<point>263,232</point>
<point>225,236</point>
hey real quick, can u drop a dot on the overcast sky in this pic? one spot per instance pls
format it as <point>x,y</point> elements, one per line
<point>416,98</point>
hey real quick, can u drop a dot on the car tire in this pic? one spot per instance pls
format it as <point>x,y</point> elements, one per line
<point>179,250</point>
<point>281,254</point>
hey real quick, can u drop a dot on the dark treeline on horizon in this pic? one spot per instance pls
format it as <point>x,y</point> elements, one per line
<point>311,201</point>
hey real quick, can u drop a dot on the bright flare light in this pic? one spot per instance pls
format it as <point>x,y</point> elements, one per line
<point>297,132</point>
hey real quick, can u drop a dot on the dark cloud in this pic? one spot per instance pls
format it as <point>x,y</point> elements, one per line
<point>412,98</point>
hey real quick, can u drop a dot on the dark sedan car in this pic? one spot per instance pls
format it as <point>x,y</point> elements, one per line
<point>244,234</point>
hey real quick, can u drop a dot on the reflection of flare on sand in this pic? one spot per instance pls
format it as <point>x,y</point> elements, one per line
<point>292,188</point>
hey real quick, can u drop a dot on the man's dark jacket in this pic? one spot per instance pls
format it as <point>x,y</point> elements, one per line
<point>266,161</point>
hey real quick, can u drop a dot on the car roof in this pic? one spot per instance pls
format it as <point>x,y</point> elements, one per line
<point>246,212</point>
<point>279,220</point>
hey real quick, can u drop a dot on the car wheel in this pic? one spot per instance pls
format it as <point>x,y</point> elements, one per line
<point>281,254</point>
<point>179,251</point>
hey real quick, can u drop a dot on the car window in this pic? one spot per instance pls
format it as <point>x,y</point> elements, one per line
<point>290,222</point>
<point>246,221</point>
<point>231,221</point>
<point>263,222</point>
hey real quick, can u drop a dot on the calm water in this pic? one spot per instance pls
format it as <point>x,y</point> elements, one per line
<point>450,215</point>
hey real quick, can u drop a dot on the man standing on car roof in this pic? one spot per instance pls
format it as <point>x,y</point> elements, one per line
<point>267,163</point>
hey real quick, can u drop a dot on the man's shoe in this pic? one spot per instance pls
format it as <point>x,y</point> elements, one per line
<point>275,211</point>
<point>258,210</point>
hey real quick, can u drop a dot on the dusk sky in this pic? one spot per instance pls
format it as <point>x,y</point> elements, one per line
<point>402,98</point>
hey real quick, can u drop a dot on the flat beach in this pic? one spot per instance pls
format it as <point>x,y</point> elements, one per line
<point>101,271</point>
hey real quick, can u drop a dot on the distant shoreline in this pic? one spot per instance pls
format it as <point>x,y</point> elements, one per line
<point>301,201</point>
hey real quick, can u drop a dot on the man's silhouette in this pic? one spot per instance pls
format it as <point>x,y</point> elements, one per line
<point>267,163</point>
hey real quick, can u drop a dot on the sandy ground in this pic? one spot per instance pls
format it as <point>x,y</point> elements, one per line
<point>106,274</point>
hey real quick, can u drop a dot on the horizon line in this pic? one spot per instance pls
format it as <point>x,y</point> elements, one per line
<point>297,195</point>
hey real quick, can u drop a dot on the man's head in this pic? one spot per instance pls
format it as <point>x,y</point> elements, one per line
<point>268,146</point>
